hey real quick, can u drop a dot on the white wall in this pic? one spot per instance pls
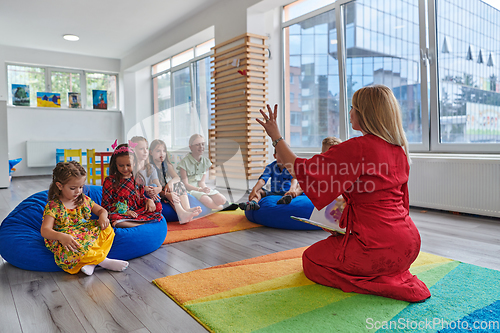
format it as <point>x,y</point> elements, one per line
<point>222,21</point>
<point>4,149</point>
<point>31,123</point>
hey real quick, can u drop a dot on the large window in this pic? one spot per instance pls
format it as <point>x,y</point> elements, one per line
<point>182,95</point>
<point>439,57</point>
<point>63,81</point>
<point>468,42</point>
<point>311,71</point>
<point>382,47</point>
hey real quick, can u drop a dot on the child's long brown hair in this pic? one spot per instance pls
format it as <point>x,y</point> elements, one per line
<point>164,164</point>
<point>113,169</point>
<point>62,173</point>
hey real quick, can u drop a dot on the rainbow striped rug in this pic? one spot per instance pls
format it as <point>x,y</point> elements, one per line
<point>213,224</point>
<point>271,294</point>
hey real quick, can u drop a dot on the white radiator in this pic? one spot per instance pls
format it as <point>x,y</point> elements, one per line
<point>43,153</point>
<point>459,183</point>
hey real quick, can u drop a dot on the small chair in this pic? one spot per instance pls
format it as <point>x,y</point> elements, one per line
<point>92,167</point>
<point>59,155</point>
<point>69,154</point>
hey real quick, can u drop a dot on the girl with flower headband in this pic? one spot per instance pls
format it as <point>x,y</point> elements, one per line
<point>78,243</point>
<point>122,196</point>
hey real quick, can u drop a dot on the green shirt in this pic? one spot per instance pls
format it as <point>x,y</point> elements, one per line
<point>194,169</point>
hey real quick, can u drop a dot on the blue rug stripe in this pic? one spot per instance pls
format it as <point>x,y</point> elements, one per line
<point>484,320</point>
<point>462,291</point>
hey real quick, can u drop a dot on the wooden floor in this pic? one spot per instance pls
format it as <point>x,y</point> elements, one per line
<point>129,302</point>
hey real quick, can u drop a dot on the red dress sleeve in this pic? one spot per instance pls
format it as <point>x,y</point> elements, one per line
<point>107,195</point>
<point>325,176</point>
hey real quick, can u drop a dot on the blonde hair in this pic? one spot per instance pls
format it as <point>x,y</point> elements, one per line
<point>331,141</point>
<point>379,114</point>
<point>147,166</point>
<point>194,137</point>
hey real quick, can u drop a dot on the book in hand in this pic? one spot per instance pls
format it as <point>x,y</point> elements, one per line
<point>327,218</point>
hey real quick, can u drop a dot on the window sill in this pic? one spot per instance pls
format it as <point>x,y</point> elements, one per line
<point>59,109</point>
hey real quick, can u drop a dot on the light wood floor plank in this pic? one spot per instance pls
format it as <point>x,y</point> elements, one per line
<point>8,310</point>
<point>150,267</point>
<point>178,259</point>
<point>42,307</point>
<point>97,308</point>
<point>151,306</point>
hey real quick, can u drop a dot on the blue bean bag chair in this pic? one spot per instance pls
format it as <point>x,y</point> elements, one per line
<point>171,216</point>
<point>22,245</point>
<point>273,215</point>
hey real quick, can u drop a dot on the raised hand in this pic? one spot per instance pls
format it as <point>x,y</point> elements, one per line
<point>269,123</point>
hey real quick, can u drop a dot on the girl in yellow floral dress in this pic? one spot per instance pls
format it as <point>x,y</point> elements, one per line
<point>78,243</point>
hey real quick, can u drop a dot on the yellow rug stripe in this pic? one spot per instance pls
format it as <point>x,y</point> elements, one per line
<point>283,282</point>
<point>202,283</point>
<point>427,258</point>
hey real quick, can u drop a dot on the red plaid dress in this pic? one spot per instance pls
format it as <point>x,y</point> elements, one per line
<point>128,195</point>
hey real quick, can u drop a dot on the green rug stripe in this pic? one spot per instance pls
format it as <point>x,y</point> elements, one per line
<point>462,291</point>
<point>251,312</point>
<point>420,269</point>
<point>432,276</point>
<point>285,309</point>
<point>349,315</point>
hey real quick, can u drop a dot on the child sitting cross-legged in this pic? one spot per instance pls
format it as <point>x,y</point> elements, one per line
<point>281,181</point>
<point>173,190</point>
<point>295,189</point>
<point>78,243</point>
<point>193,169</point>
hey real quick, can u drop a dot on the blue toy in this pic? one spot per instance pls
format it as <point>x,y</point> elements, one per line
<point>12,164</point>
<point>22,245</point>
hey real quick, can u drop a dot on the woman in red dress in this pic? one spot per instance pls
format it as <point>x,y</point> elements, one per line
<point>371,172</point>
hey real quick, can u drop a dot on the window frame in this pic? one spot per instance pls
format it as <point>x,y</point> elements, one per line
<point>83,84</point>
<point>435,129</point>
<point>427,28</point>
<point>191,63</point>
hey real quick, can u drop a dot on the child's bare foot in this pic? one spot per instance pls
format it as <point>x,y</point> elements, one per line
<point>187,215</point>
<point>88,269</point>
<point>195,209</point>
<point>114,264</point>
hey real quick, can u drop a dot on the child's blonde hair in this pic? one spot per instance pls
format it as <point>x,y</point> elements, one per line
<point>147,166</point>
<point>62,173</point>
<point>379,114</point>
<point>330,141</point>
<point>194,137</point>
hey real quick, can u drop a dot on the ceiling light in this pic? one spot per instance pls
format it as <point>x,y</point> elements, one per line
<point>72,38</point>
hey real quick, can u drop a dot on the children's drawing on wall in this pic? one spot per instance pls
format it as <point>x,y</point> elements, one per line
<point>74,100</point>
<point>20,95</point>
<point>48,100</point>
<point>100,99</point>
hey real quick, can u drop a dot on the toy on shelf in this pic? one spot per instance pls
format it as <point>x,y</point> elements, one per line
<point>12,164</point>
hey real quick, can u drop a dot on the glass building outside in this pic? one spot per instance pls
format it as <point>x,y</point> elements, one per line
<point>382,47</point>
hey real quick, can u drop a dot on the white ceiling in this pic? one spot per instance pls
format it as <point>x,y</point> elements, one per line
<point>107,28</point>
